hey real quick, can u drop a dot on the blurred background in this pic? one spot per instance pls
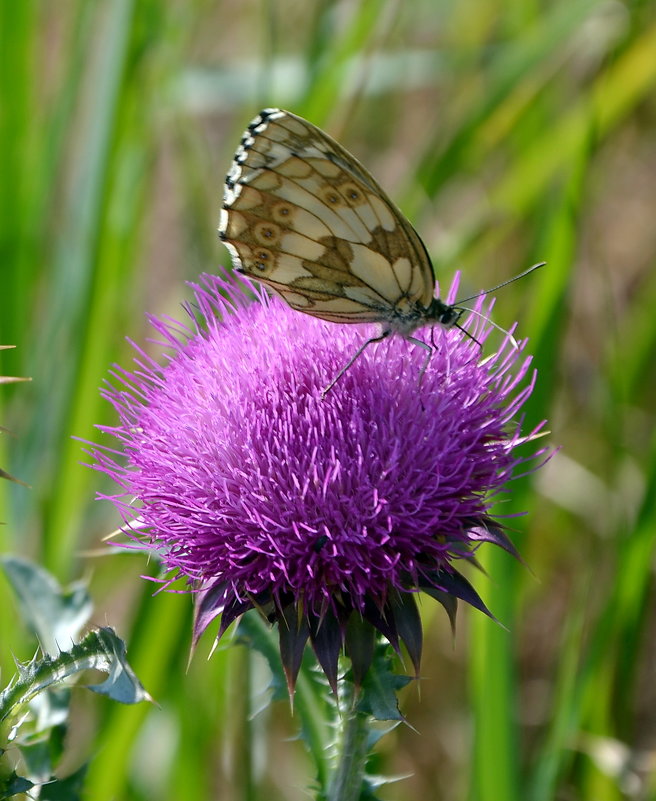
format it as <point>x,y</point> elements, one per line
<point>508,133</point>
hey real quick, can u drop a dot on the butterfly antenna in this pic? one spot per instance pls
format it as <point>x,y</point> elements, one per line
<point>498,286</point>
<point>505,331</point>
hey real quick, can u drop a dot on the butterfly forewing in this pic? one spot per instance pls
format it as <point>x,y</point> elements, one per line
<point>305,217</point>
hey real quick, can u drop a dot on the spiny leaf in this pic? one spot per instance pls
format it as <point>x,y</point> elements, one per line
<point>380,686</point>
<point>122,683</point>
<point>101,650</point>
<point>14,785</point>
<point>55,615</point>
<point>68,789</point>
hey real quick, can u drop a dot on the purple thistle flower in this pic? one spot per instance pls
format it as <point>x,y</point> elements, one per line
<point>327,514</point>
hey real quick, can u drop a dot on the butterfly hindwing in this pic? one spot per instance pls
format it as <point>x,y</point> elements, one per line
<point>305,217</point>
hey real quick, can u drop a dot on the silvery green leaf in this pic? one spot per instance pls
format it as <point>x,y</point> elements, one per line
<point>55,615</point>
<point>101,650</point>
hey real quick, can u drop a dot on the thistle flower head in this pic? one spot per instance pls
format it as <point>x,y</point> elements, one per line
<point>327,514</point>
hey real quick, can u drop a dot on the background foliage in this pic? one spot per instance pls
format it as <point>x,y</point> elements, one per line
<point>509,133</point>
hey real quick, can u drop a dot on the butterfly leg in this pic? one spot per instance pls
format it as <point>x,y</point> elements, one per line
<point>429,354</point>
<point>379,338</point>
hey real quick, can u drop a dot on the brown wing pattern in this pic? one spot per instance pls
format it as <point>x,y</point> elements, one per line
<point>306,218</point>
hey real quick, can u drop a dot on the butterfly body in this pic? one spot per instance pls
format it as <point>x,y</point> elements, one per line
<point>404,319</point>
<point>303,216</point>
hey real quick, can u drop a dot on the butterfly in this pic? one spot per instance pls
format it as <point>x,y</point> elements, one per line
<point>303,216</point>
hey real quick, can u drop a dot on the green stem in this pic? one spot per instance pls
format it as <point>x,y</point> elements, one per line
<point>243,733</point>
<point>352,749</point>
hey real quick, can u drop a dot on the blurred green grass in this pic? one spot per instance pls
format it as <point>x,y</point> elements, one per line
<point>509,133</point>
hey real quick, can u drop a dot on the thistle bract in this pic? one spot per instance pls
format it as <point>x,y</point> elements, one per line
<point>327,514</point>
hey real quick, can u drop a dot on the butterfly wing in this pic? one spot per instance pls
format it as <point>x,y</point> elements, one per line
<point>302,215</point>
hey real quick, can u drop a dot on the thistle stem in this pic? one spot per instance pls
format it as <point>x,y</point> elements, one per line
<point>352,748</point>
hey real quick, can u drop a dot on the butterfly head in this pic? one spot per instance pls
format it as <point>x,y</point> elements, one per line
<point>447,315</point>
<point>444,313</point>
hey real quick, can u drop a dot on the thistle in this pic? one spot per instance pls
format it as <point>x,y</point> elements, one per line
<point>328,514</point>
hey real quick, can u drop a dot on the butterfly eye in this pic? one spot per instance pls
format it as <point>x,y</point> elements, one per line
<point>264,261</point>
<point>352,194</point>
<point>266,232</point>
<point>331,197</point>
<point>282,212</point>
